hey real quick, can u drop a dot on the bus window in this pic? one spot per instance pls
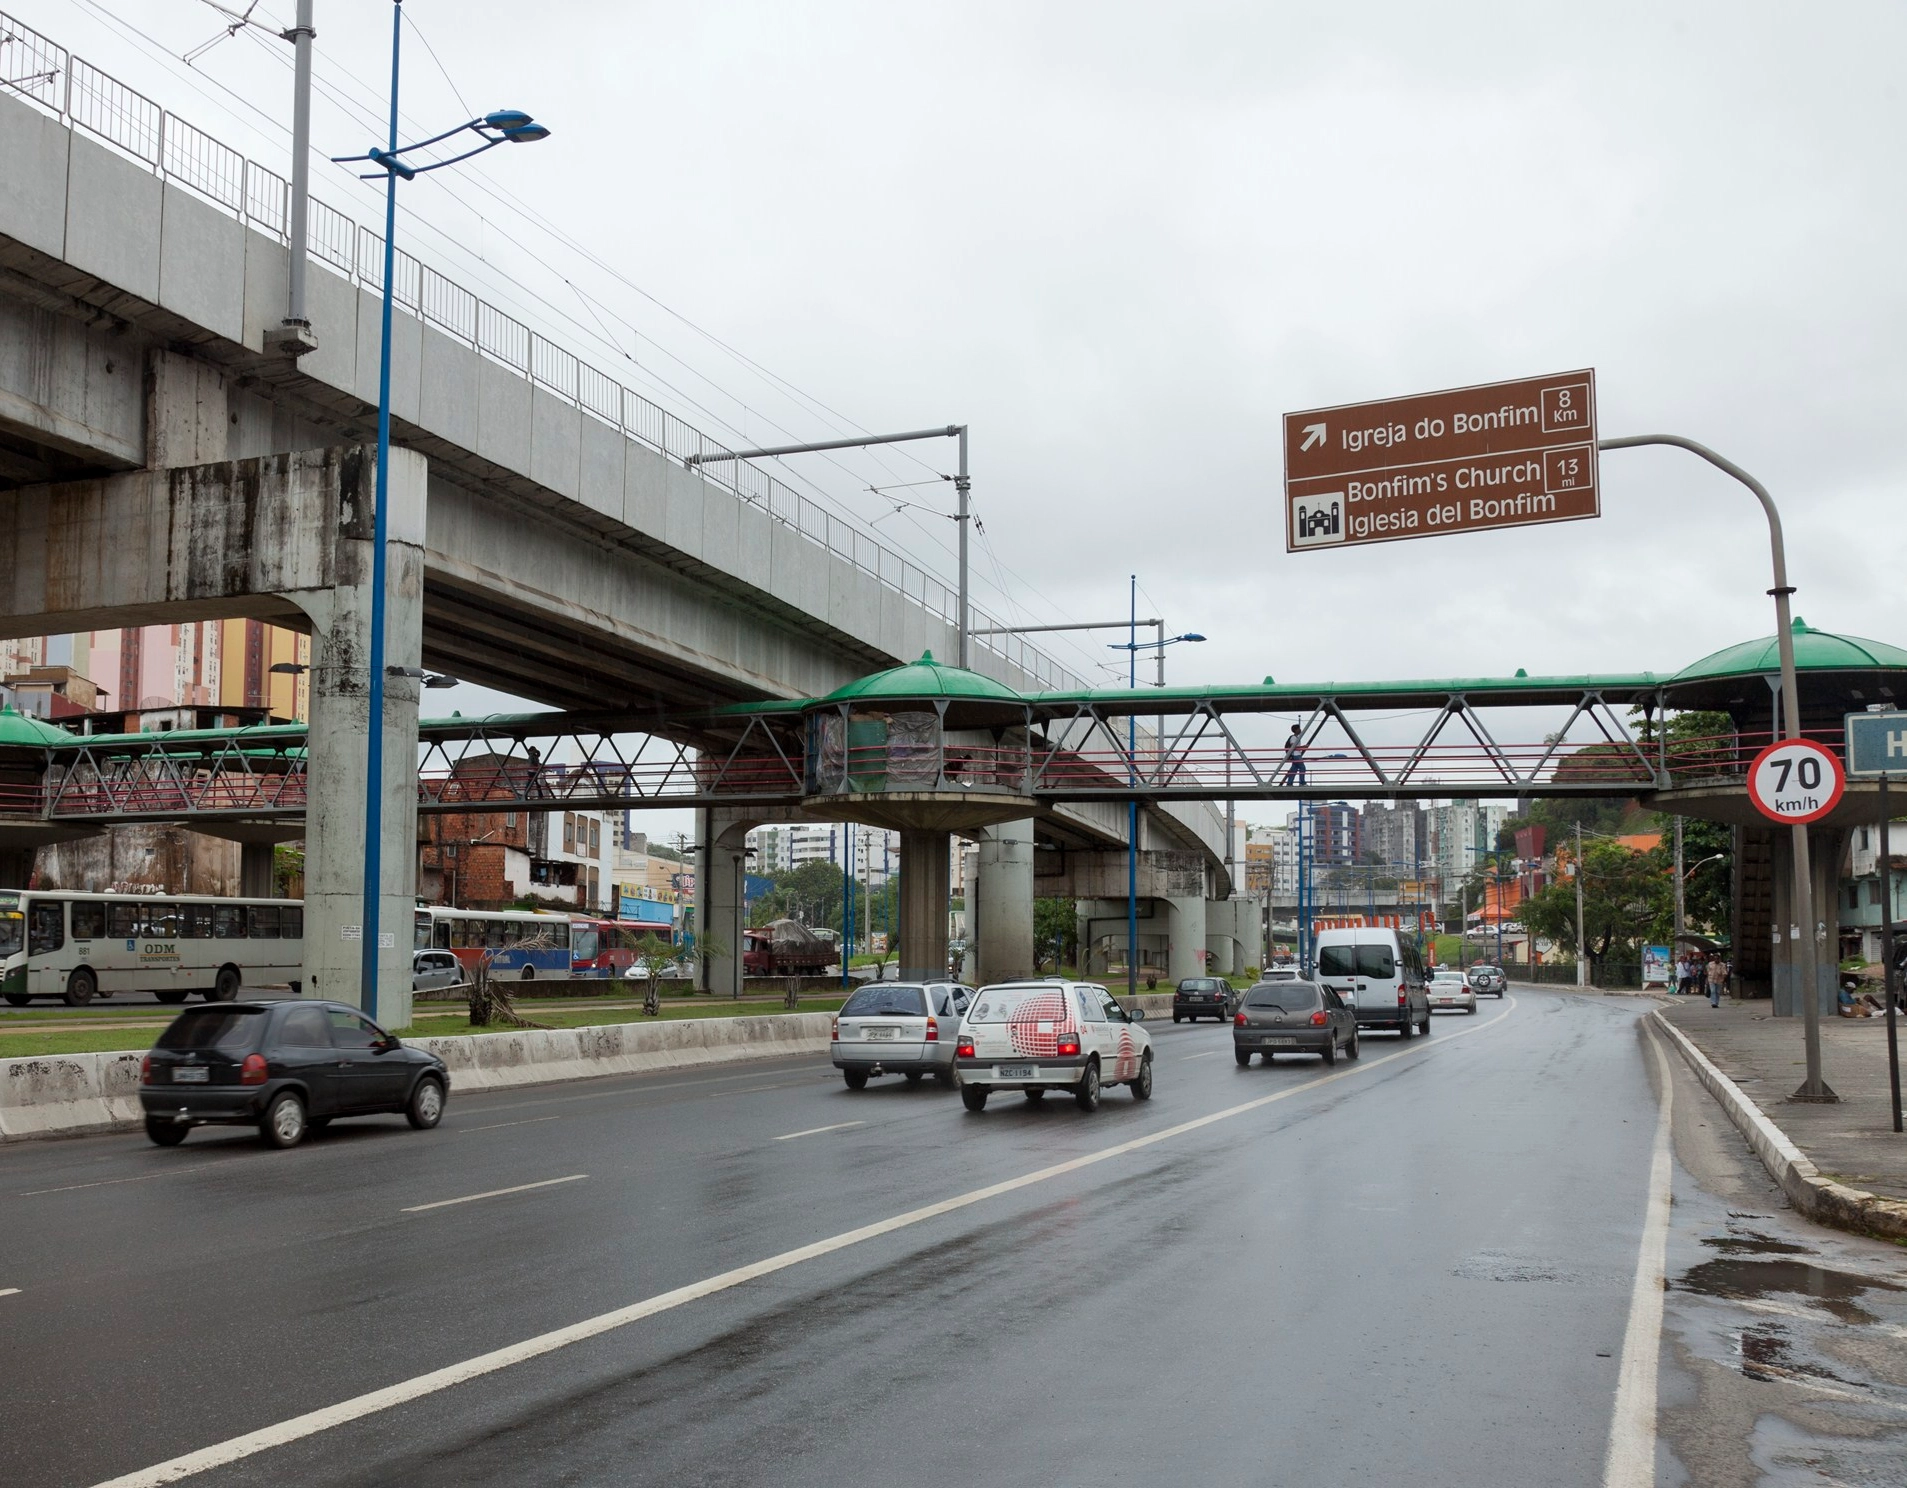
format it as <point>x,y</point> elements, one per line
<point>11,925</point>
<point>443,935</point>
<point>294,921</point>
<point>420,930</point>
<point>493,932</point>
<point>159,919</point>
<point>559,933</point>
<point>45,925</point>
<point>512,931</point>
<point>198,922</point>
<point>228,921</point>
<point>89,921</point>
<point>583,943</point>
<point>122,921</point>
<point>265,921</point>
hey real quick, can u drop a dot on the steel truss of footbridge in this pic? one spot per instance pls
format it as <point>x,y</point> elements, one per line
<point>1105,744</point>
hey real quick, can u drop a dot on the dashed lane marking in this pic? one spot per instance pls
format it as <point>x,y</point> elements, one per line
<point>815,1131</point>
<point>499,1125</point>
<point>494,1193</point>
<point>33,1193</point>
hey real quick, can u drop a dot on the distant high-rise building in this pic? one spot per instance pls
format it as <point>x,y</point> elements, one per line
<point>1393,835</point>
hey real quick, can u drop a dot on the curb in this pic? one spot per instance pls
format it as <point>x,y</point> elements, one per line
<point>1819,1198</point>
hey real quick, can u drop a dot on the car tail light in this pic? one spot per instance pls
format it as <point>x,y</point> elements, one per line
<point>1238,1020</point>
<point>1402,997</point>
<point>252,1071</point>
<point>145,1070</point>
<point>834,1031</point>
<point>964,1048</point>
<point>933,1031</point>
<point>1068,1043</point>
<point>1318,1019</point>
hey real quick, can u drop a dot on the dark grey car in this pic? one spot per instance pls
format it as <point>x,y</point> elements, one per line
<point>1293,1018</point>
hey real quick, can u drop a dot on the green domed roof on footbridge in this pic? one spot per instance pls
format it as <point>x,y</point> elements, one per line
<point>922,679</point>
<point>23,730</point>
<point>1814,650</point>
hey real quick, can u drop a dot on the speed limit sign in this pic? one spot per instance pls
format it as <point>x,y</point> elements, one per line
<point>1796,780</point>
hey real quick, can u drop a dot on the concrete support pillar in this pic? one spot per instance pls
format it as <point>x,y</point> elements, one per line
<point>340,719</point>
<point>1826,846</point>
<point>1185,937</point>
<point>255,870</point>
<point>926,872</point>
<point>720,900</point>
<point>1221,938</point>
<point>1002,937</point>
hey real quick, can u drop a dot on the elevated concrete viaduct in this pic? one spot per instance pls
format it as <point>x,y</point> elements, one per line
<point>554,546</point>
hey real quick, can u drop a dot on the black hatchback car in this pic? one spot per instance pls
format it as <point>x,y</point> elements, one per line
<point>1202,997</point>
<point>285,1067</point>
<point>1293,1018</point>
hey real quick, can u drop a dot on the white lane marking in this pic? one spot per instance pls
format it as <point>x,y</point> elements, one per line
<point>494,1193</point>
<point>1206,1055</point>
<point>326,1418</point>
<point>109,1182</point>
<point>1630,1460</point>
<point>815,1131</point>
<point>499,1125</point>
<point>9,1291</point>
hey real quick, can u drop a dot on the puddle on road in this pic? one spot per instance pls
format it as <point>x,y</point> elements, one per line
<point>1750,1243</point>
<point>1738,1280</point>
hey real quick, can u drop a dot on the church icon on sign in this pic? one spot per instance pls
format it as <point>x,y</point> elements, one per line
<point>1317,519</point>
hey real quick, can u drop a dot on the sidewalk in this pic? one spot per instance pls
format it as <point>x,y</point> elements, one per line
<point>1852,1143</point>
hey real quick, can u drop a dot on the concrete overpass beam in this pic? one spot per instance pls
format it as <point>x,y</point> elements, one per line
<point>1002,928</point>
<point>925,884</point>
<point>720,894</point>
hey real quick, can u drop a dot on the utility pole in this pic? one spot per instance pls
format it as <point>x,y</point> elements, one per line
<point>1681,903</point>
<point>293,337</point>
<point>1582,944</point>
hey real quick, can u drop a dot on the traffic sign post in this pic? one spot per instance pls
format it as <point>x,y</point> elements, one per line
<point>1796,781</point>
<point>1877,744</point>
<point>1502,454</point>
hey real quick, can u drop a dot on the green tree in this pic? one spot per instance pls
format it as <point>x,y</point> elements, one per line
<point>1627,900</point>
<point>1055,932</point>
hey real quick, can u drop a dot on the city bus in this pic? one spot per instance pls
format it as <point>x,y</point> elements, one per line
<point>73,946</point>
<point>522,943</point>
<point>607,948</point>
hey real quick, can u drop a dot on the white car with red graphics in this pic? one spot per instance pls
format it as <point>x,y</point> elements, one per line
<point>1039,1036</point>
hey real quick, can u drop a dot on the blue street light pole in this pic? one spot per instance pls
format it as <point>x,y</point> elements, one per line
<point>1131,646</point>
<point>505,126</point>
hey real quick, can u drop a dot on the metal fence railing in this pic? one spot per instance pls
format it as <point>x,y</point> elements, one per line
<point>39,70</point>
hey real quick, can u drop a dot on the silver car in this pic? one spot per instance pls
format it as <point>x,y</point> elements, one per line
<point>899,1028</point>
<point>435,971</point>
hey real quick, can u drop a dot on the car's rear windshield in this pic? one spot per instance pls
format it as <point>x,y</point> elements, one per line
<point>1017,1004</point>
<point>872,1002</point>
<point>1363,960</point>
<point>214,1028</point>
<point>1199,984</point>
<point>1290,997</point>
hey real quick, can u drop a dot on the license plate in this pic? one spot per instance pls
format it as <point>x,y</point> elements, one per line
<point>190,1074</point>
<point>1017,1071</point>
<point>881,1033</point>
<point>1282,1043</point>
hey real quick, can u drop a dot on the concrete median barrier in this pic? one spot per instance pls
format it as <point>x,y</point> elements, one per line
<point>62,1095</point>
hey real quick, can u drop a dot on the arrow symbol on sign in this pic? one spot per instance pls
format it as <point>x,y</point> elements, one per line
<point>1313,434</point>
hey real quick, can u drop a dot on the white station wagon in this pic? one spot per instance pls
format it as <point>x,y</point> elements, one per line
<point>1039,1036</point>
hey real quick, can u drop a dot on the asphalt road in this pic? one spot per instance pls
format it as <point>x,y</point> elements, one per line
<point>1417,1268</point>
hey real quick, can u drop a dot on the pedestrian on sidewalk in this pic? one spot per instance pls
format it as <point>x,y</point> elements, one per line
<point>1717,979</point>
<point>1684,975</point>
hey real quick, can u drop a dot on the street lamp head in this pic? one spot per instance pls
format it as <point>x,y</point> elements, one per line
<point>529,134</point>
<point>515,126</point>
<point>1191,635</point>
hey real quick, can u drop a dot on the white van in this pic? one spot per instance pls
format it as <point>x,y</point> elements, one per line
<point>1379,972</point>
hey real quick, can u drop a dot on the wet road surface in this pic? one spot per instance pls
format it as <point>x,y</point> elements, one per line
<point>1415,1268</point>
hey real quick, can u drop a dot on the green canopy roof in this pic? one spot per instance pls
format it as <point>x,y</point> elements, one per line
<point>925,678</point>
<point>23,730</point>
<point>1814,650</point>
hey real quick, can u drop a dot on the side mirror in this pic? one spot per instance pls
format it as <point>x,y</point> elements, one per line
<point>1135,1015</point>
<point>386,1044</point>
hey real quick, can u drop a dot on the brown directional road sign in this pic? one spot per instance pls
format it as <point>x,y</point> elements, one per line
<point>1505,454</point>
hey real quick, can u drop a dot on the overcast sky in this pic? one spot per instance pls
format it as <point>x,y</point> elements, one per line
<point>1120,240</point>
